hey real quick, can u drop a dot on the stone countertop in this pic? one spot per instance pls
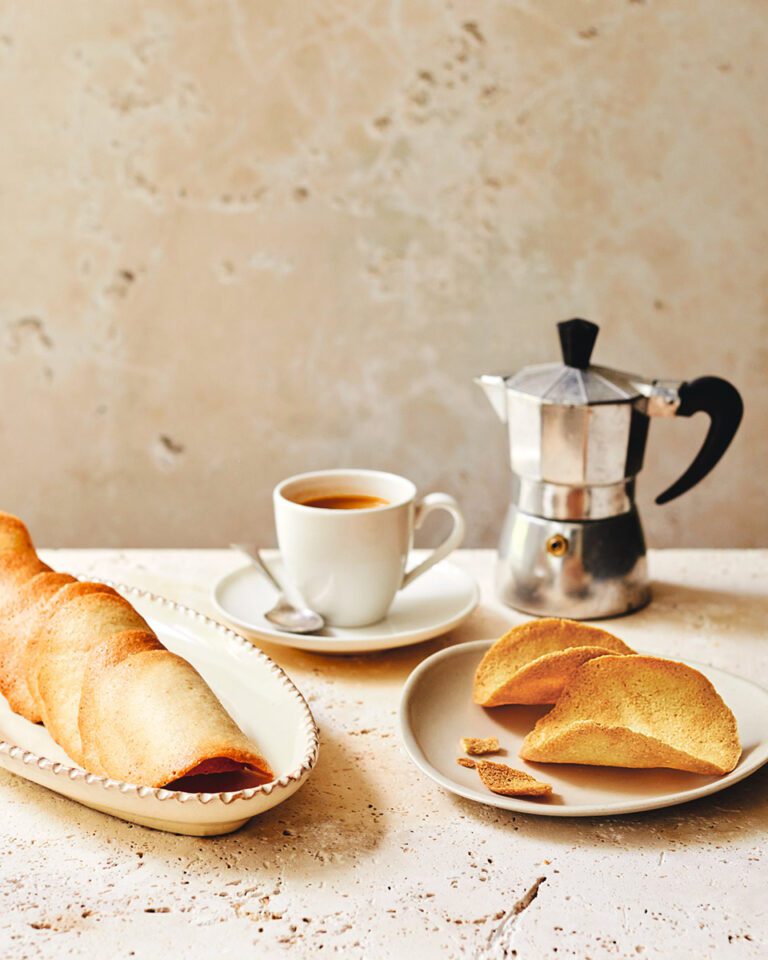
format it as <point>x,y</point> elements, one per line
<point>371,859</point>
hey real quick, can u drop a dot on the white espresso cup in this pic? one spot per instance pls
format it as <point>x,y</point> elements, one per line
<point>348,564</point>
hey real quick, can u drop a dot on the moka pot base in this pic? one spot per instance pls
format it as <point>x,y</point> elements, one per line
<point>583,570</point>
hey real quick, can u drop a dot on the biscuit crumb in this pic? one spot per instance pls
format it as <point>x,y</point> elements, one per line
<point>466,762</point>
<point>475,746</point>
<point>508,782</point>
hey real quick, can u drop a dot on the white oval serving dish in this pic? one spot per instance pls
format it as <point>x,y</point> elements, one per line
<point>253,689</point>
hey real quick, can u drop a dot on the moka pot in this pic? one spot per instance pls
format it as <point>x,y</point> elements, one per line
<point>572,544</point>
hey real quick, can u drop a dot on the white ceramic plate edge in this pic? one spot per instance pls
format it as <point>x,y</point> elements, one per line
<point>415,753</point>
<point>218,812</point>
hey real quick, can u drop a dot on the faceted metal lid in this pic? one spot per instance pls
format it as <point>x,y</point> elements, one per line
<point>574,382</point>
<point>571,387</point>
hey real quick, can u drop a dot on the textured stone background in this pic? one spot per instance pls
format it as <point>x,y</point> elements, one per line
<point>239,240</point>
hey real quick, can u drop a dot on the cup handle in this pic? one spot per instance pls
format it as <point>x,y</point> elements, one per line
<point>425,506</point>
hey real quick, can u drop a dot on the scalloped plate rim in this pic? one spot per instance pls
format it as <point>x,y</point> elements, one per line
<point>14,757</point>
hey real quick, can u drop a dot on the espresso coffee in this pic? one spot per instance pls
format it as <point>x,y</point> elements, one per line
<point>345,537</point>
<point>344,501</point>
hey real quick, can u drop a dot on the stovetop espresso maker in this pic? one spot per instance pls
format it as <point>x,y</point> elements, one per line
<point>572,543</point>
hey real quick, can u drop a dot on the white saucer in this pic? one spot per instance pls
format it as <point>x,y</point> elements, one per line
<point>436,711</point>
<point>433,604</point>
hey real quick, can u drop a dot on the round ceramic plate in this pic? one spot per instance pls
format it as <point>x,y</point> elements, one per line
<point>433,604</point>
<point>436,711</point>
<point>254,690</point>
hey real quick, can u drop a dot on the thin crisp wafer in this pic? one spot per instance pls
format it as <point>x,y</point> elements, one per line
<point>638,712</point>
<point>534,661</point>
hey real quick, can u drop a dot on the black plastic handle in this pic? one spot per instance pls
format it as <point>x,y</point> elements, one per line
<point>722,401</point>
<point>577,340</point>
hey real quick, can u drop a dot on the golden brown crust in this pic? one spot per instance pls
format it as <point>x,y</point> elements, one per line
<point>19,615</point>
<point>110,652</point>
<point>14,536</point>
<point>508,782</point>
<point>505,780</point>
<point>35,631</point>
<point>532,662</point>
<point>74,629</point>
<point>638,712</point>
<point>129,696</point>
<point>77,656</point>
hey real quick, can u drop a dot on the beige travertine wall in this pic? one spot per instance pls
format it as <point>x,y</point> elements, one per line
<point>243,239</point>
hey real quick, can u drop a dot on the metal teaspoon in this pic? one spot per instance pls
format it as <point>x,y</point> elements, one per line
<point>283,615</point>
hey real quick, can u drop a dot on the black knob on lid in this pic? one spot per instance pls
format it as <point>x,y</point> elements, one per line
<point>577,339</point>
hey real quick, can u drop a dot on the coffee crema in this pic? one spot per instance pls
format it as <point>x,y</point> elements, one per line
<point>344,501</point>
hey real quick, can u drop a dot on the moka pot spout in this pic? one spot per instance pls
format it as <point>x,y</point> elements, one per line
<point>495,389</point>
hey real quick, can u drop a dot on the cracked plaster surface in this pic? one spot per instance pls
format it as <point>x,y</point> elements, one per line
<point>286,236</point>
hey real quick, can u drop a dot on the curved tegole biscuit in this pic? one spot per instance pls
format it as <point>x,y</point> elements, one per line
<point>532,662</point>
<point>79,657</point>
<point>127,703</point>
<point>21,613</point>
<point>36,634</point>
<point>638,712</point>
<point>75,628</point>
<point>24,587</point>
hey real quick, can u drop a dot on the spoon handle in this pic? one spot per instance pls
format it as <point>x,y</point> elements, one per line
<point>253,554</point>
